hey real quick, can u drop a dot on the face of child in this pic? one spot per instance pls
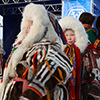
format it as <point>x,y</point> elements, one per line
<point>70,36</point>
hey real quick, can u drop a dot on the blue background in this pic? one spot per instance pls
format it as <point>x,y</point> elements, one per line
<point>75,8</point>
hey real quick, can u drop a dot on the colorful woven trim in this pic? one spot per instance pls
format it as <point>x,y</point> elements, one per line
<point>18,43</point>
<point>87,25</point>
<point>96,43</point>
<point>66,51</point>
<point>69,50</point>
<point>35,90</point>
<point>13,49</point>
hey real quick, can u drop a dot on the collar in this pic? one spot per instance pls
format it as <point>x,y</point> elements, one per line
<point>87,25</point>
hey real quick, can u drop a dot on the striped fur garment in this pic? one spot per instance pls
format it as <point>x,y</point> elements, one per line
<point>90,74</point>
<point>47,68</point>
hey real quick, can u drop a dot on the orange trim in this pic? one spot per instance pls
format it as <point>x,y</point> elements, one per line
<point>91,29</point>
<point>5,66</point>
<point>74,73</point>
<point>58,80</point>
<point>87,25</point>
<point>25,73</point>
<point>60,73</point>
<point>48,67</point>
<point>48,95</point>
<point>96,43</point>
<point>35,90</point>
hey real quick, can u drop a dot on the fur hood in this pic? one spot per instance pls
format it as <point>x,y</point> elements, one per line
<point>70,22</point>
<point>39,15</point>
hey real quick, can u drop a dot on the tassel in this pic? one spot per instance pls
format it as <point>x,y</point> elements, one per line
<point>34,67</point>
<point>48,93</point>
<point>60,73</point>
<point>48,67</point>
<point>25,73</point>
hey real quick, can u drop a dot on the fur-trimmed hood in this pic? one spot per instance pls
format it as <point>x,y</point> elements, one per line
<point>70,22</point>
<point>39,15</point>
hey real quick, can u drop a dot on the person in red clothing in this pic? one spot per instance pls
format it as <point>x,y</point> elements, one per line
<point>77,41</point>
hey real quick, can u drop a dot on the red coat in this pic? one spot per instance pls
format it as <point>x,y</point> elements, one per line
<point>78,69</point>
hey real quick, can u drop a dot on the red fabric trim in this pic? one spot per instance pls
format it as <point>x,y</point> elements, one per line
<point>72,90</point>
<point>78,69</point>
<point>34,66</point>
<point>91,46</point>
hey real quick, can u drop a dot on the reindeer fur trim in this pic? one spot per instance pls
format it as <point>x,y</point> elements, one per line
<point>70,22</point>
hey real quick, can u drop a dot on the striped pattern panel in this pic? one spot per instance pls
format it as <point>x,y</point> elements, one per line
<point>55,58</point>
<point>49,59</point>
